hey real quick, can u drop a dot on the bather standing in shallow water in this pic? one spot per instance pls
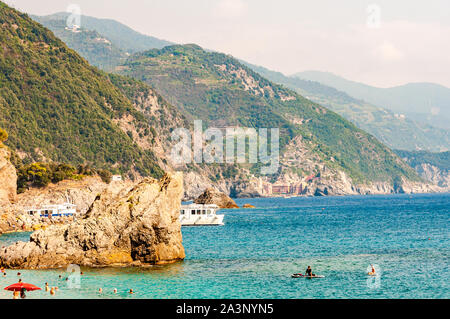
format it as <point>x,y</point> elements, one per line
<point>22,293</point>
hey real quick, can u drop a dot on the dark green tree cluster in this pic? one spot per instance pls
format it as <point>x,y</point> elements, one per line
<point>41,174</point>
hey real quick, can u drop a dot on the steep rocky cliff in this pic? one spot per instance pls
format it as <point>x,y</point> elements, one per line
<point>8,220</point>
<point>8,177</point>
<point>8,185</point>
<point>434,174</point>
<point>433,167</point>
<point>138,225</point>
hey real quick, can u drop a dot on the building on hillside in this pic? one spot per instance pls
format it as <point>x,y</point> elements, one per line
<point>74,28</point>
<point>281,188</point>
<point>116,178</point>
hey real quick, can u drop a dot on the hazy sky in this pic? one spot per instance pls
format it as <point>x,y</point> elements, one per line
<point>378,42</point>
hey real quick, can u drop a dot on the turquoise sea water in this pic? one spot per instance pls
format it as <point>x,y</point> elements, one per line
<point>407,237</point>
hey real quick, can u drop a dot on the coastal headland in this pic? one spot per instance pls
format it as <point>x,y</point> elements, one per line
<point>136,226</point>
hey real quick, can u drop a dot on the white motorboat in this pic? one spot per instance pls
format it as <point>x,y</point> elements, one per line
<point>200,215</point>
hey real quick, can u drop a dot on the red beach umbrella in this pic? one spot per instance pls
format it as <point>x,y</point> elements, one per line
<point>20,285</point>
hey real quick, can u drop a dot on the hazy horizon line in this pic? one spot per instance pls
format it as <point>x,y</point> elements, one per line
<point>283,73</point>
<point>381,58</point>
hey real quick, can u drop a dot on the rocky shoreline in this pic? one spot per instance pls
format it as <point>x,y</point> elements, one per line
<point>134,223</point>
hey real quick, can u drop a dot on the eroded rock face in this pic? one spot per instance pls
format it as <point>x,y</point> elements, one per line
<point>8,178</point>
<point>8,221</point>
<point>437,176</point>
<point>213,196</point>
<point>8,191</point>
<point>194,185</point>
<point>138,225</point>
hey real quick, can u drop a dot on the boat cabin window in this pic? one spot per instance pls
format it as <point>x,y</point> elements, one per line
<point>182,212</point>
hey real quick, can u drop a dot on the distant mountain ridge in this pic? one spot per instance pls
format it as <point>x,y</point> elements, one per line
<point>425,102</point>
<point>90,44</point>
<point>104,43</point>
<point>123,36</point>
<point>390,128</point>
<point>395,130</point>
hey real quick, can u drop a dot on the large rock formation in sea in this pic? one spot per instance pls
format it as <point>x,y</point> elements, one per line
<point>138,225</point>
<point>213,196</point>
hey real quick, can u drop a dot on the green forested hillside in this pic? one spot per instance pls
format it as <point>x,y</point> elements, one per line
<point>191,78</point>
<point>55,106</point>
<point>218,89</point>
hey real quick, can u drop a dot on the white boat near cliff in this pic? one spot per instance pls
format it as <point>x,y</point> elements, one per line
<point>49,211</point>
<point>200,215</point>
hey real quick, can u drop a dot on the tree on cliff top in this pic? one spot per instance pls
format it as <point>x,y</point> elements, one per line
<point>3,135</point>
